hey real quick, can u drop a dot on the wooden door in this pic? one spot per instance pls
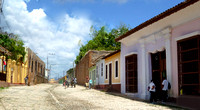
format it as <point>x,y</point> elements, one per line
<point>131,74</point>
<point>158,61</point>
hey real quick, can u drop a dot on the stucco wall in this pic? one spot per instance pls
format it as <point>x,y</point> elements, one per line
<point>112,59</point>
<point>153,43</point>
<point>86,62</point>
<point>125,51</point>
<point>100,79</point>
<point>178,31</point>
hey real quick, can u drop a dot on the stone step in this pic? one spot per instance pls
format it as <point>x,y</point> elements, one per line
<point>4,84</point>
<point>192,102</point>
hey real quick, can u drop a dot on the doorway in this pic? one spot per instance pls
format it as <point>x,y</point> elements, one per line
<point>158,61</point>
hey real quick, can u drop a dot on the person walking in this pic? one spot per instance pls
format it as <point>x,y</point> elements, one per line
<point>75,81</point>
<point>164,89</point>
<point>90,83</point>
<point>152,90</point>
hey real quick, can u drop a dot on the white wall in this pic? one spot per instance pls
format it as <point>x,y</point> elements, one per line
<point>143,48</point>
<point>100,79</point>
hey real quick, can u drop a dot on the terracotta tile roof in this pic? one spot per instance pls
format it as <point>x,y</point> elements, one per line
<point>168,12</point>
<point>111,54</point>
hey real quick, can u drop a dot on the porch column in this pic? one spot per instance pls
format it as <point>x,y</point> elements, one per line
<point>143,71</point>
<point>168,58</point>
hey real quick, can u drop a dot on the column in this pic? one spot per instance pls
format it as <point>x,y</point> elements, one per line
<point>143,71</point>
<point>168,58</point>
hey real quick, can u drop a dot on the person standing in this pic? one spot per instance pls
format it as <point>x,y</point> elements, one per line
<point>152,90</point>
<point>72,82</point>
<point>87,82</point>
<point>164,89</point>
<point>90,83</point>
<point>26,79</point>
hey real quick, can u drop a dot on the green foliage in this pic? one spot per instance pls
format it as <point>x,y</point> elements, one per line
<point>70,71</point>
<point>14,45</point>
<point>102,40</point>
<point>1,88</point>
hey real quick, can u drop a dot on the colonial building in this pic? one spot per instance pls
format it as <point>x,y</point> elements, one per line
<point>36,71</point>
<point>93,74</point>
<point>165,46</point>
<point>82,68</point>
<point>4,53</point>
<point>112,71</point>
<point>100,72</point>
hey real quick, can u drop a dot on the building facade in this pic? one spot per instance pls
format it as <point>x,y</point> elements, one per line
<point>100,71</point>
<point>36,71</point>
<point>81,70</point>
<point>164,46</point>
<point>112,71</point>
<point>92,75</point>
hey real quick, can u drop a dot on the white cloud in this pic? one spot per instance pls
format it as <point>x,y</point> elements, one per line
<point>44,36</point>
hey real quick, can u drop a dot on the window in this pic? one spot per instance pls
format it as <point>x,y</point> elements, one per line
<point>97,71</point>
<point>90,75</point>
<point>29,62</point>
<point>101,69</point>
<point>32,67</point>
<point>188,65</point>
<point>116,68</point>
<point>106,71</point>
<point>41,70</point>
<point>131,74</point>
<point>35,66</point>
<point>110,74</point>
<point>94,76</point>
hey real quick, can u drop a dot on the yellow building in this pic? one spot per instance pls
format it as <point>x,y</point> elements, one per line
<point>112,71</point>
<point>16,72</point>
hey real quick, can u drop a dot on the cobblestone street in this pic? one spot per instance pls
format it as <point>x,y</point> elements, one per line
<point>55,97</point>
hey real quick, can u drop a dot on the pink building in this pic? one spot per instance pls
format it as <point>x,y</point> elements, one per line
<point>167,45</point>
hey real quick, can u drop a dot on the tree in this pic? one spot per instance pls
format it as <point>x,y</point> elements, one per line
<point>14,45</point>
<point>70,73</point>
<point>102,40</point>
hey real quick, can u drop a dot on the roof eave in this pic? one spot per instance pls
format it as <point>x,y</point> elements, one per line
<point>162,15</point>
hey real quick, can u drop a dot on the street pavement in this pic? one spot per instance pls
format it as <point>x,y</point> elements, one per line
<point>56,97</point>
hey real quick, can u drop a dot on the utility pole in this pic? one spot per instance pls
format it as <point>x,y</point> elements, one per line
<point>47,57</point>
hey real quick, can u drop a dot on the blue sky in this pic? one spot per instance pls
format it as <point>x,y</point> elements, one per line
<point>56,26</point>
<point>111,13</point>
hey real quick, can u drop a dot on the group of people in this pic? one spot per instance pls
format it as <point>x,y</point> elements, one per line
<point>164,93</point>
<point>73,82</point>
<point>88,83</point>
